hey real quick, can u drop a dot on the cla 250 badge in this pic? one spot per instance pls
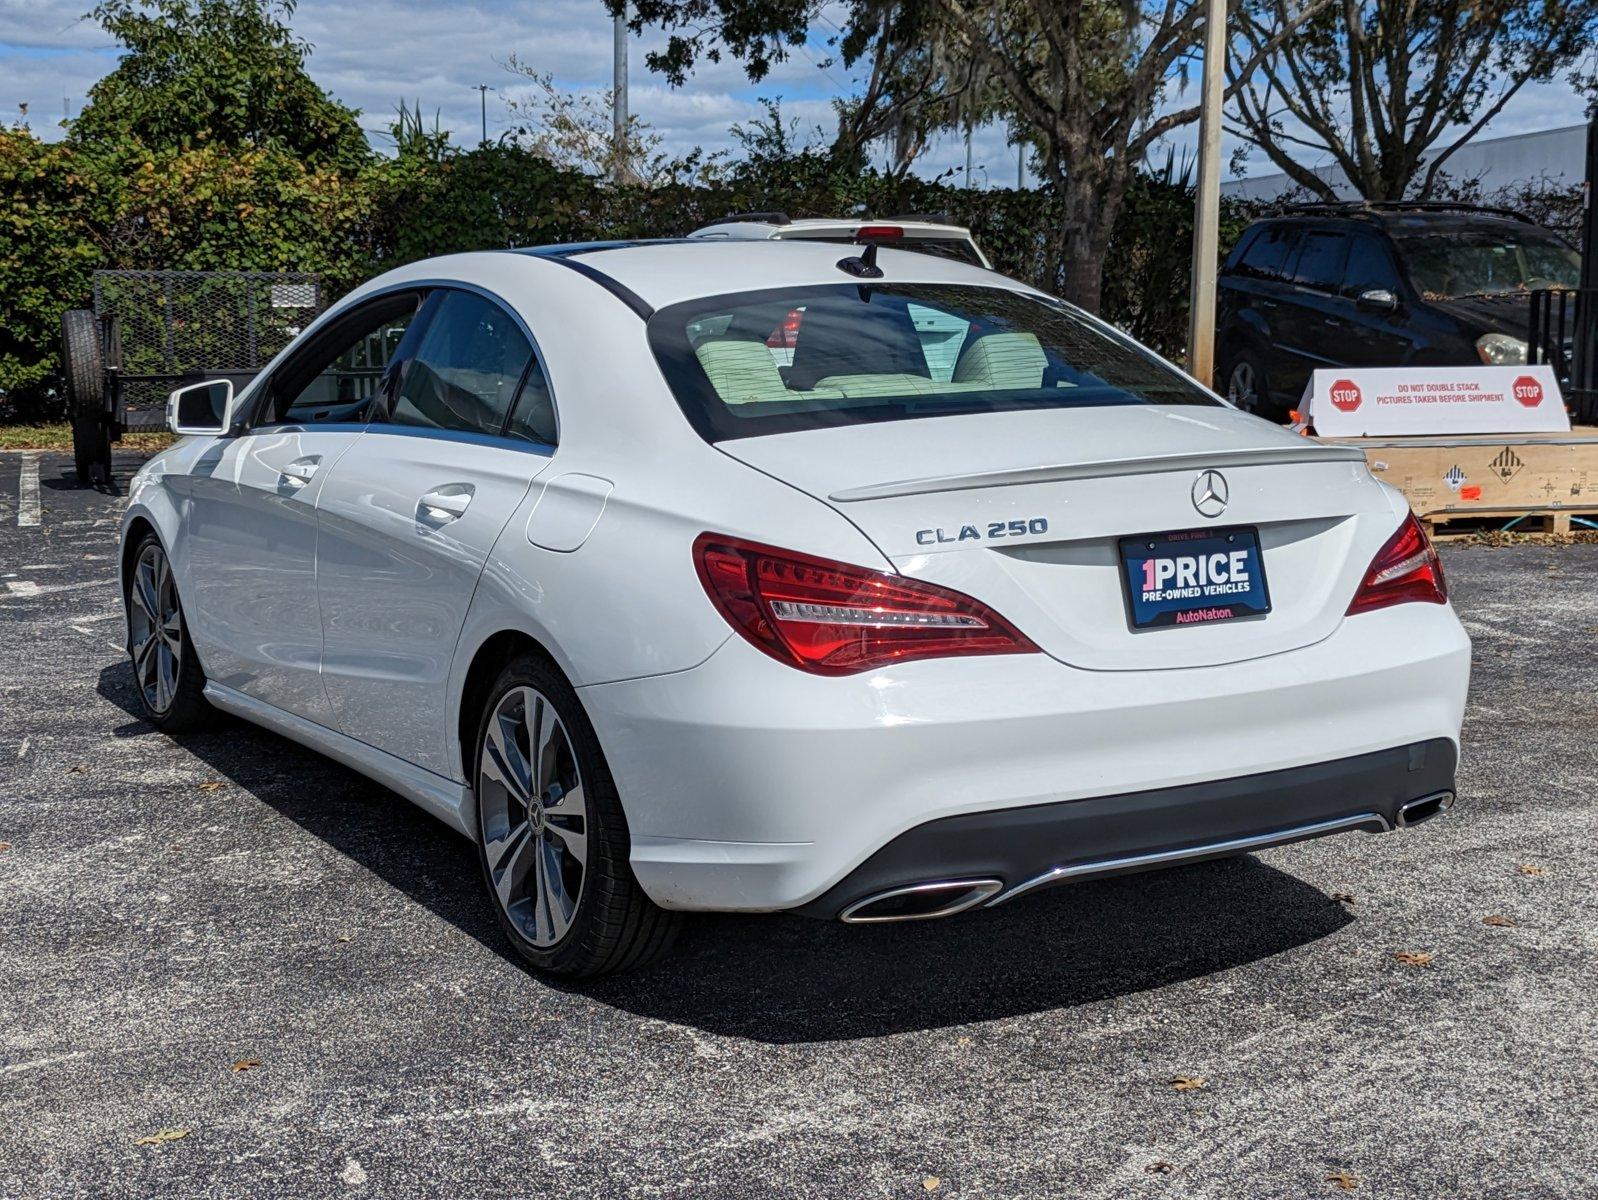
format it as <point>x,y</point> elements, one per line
<point>975,533</point>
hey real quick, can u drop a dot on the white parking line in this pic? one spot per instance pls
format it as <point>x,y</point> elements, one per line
<point>28,491</point>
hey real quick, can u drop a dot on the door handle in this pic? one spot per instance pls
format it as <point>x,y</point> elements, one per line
<point>299,472</point>
<point>446,503</point>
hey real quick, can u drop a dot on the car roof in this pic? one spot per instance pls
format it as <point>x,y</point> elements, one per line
<point>1402,221</point>
<point>669,271</point>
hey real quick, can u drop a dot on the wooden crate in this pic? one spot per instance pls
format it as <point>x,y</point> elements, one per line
<point>1544,477</point>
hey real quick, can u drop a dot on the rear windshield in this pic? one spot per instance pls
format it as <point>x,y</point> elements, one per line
<point>805,358</point>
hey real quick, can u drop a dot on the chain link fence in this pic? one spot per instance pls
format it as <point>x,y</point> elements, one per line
<point>165,324</point>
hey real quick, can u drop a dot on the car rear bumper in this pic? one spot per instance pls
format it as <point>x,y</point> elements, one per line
<point>1024,849</point>
<point>750,786</point>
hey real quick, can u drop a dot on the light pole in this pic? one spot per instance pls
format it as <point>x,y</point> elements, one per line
<point>482,91</point>
<point>618,93</point>
<point>1207,199</point>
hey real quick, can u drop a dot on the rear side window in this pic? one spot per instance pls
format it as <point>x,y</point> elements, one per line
<point>1266,256</point>
<point>811,357</point>
<point>468,365</point>
<point>1321,254</point>
<point>533,419</point>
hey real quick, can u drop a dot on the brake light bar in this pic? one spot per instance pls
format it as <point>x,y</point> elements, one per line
<point>878,232</point>
<point>832,618</point>
<point>1405,570</point>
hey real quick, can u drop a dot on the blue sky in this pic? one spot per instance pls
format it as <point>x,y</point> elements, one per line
<point>372,53</point>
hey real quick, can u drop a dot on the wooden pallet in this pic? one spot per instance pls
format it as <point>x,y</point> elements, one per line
<point>1449,526</point>
<point>1542,478</point>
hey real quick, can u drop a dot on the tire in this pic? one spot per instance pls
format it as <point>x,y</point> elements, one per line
<point>166,670</point>
<point>571,839</point>
<point>83,365</point>
<point>1245,385</point>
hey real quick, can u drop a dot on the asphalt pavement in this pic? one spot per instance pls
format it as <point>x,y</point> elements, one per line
<point>231,968</point>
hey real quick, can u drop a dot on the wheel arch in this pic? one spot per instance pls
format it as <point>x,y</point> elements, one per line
<point>486,660</point>
<point>152,511</point>
<point>139,524</point>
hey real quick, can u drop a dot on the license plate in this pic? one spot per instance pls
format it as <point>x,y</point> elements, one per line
<point>1195,577</point>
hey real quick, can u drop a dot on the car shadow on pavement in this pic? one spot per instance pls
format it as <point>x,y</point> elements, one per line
<point>784,979</point>
<point>793,979</point>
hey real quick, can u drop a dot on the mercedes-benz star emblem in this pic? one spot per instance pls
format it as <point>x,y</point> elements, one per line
<point>1210,493</point>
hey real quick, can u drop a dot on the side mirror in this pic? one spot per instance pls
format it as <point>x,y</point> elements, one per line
<point>1377,300</point>
<point>200,408</point>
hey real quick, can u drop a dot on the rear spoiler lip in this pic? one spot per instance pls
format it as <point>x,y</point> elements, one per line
<point>1101,470</point>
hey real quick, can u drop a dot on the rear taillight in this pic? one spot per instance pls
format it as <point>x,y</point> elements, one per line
<point>831,618</point>
<point>873,233</point>
<point>1405,569</point>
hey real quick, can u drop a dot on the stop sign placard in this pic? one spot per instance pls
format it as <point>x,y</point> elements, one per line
<point>1345,395</point>
<point>1528,391</point>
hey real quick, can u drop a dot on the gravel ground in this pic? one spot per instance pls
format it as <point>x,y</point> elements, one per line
<point>230,937</point>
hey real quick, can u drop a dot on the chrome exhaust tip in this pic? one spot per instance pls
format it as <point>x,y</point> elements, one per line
<point>920,901</point>
<point>1424,809</point>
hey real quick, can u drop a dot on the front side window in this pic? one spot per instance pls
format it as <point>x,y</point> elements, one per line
<point>1370,268</point>
<point>338,374</point>
<point>467,367</point>
<point>809,357</point>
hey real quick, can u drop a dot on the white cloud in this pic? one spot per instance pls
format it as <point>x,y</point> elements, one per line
<point>372,54</point>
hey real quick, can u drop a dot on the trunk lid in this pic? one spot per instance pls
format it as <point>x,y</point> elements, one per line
<point>1025,511</point>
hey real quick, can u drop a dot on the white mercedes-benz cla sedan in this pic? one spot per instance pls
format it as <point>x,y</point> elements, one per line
<point>686,576</point>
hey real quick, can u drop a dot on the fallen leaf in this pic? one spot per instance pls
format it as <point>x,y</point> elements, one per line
<point>161,1137</point>
<point>80,769</point>
<point>1159,1167</point>
<point>211,785</point>
<point>1531,869</point>
<point>962,1041</point>
<point>1499,922</point>
<point>932,1183</point>
<point>245,1064</point>
<point>4,846</point>
<point>1414,958</point>
<point>1343,897</point>
<point>1343,1180</point>
<point>343,937</point>
<point>1190,1083</point>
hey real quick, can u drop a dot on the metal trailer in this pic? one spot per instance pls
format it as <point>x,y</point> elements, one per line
<point>150,332</point>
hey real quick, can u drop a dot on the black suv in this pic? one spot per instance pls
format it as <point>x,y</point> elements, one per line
<point>1377,285</point>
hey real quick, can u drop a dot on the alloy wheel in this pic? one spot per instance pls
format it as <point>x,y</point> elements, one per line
<point>155,626</point>
<point>534,816</point>
<point>1241,387</point>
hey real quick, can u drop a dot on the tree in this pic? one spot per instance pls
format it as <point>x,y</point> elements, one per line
<point>1079,80</point>
<point>918,83</point>
<point>574,130</point>
<point>1391,88</point>
<point>226,73</point>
